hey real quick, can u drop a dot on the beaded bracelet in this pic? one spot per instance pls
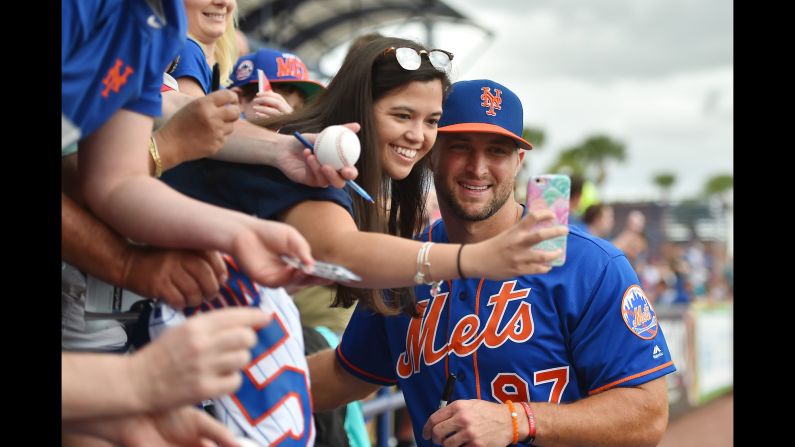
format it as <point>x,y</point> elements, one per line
<point>514,422</point>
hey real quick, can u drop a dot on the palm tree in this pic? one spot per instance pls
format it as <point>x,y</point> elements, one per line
<point>720,185</point>
<point>594,153</point>
<point>570,161</point>
<point>534,135</point>
<point>597,150</point>
<point>664,180</point>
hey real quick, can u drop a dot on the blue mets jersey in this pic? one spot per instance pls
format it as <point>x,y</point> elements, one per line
<point>273,405</point>
<point>580,329</point>
<point>113,55</point>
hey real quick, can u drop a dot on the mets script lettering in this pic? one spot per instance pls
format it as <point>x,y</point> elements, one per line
<point>467,335</point>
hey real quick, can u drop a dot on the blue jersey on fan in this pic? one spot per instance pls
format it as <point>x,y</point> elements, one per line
<point>193,64</point>
<point>580,329</point>
<point>273,406</point>
<point>257,190</point>
<point>113,55</point>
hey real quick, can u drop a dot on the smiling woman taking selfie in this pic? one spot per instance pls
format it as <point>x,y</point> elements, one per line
<point>394,89</point>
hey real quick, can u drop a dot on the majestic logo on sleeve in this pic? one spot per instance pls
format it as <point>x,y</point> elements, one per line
<point>467,335</point>
<point>491,102</point>
<point>115,79</point>
<point>638,313</point>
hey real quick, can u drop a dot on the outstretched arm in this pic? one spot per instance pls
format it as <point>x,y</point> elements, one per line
<point>252,144</point>
<point>178,277</point>
<point>619,417</point>
<point>198,360</point>
<point>115,182</point>
<point>338,240</point>
<point>332,385</point>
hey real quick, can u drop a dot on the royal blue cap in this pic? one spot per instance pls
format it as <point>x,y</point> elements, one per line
<point>279,67</point>
<point>483,106</point>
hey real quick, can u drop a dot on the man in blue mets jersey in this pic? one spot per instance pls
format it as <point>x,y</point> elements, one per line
<point>583,334</point>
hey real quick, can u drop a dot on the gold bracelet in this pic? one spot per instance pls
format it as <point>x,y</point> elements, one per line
<point>155,156</point>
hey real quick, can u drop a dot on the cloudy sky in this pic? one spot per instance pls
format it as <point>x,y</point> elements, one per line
<point>654,74</point>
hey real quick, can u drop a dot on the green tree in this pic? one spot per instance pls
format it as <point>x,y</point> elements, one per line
<point>664,181</point>
<point>597,150</point>
<point>720,185</point>
<point>591,155</point>
<point>570,161</point>
<point>535,135</point>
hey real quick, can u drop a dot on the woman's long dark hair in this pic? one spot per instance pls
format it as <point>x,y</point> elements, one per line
<point>367,75</point>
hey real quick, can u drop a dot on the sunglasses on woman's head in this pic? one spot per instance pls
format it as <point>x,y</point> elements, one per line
<point>410,58</point>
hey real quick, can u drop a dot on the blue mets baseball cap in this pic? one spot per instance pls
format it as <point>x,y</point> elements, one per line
<point>483,106</point>
<point>279,67</point>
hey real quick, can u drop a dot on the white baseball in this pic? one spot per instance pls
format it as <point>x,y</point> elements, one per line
<point>337,146</point>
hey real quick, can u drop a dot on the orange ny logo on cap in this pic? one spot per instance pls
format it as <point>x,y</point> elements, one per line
<point>291,66</point>
<point>492,102</point>
<point>115,79</point>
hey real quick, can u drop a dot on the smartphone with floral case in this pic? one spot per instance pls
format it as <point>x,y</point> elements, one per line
<point>551,191</point>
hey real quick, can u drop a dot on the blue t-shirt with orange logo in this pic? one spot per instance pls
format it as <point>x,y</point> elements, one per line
<point>113,55</point>
<point>580,329</point>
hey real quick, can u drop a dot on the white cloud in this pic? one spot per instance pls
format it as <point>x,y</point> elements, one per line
<point>655,74</point>
<point>606,39</point>
<point>661,121</point>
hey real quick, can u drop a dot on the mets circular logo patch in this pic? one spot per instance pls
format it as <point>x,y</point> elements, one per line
<point>638,313</point>
<point>244,70</point>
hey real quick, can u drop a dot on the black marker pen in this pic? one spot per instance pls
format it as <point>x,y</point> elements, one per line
<point>448,391</point>
<point>216,80</point>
